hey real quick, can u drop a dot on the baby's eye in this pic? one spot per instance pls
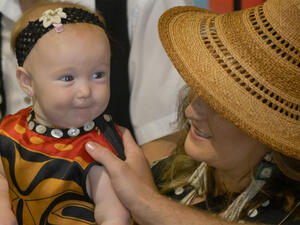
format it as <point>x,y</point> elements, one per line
<point>67,78</point>
<point>98,75</point>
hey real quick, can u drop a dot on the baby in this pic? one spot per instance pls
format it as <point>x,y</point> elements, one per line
<point>46,177</point>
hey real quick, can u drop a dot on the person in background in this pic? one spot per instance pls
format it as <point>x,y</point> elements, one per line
<point>154,81</point>
<point>239,158</point>
<point>63,56</point>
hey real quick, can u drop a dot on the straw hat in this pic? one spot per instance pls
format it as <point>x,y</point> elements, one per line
<point>245,64</point>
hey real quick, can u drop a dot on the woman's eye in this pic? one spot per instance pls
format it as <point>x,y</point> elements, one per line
<point>67,78</point>
<point>98,75</point>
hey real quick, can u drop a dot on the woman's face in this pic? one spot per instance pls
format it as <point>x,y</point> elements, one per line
<point>217,142</point>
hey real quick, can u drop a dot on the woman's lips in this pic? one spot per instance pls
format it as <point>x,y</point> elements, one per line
<point>198,133</point>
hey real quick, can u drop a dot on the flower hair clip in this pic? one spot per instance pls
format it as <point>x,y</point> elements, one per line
<point>53,17</point>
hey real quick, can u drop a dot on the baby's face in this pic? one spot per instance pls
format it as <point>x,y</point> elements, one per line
<point>70,75</point>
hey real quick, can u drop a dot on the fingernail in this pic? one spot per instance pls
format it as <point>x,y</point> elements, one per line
<point>89,146</point>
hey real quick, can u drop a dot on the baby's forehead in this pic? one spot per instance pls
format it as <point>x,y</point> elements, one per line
<point>80,37</point>
<point>70,51</point>
<point>77,31</point>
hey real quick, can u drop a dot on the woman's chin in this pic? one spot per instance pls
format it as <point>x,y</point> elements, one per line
<point>198,151</point>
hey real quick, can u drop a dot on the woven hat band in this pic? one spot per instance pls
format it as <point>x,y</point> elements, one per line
<point>244,64</point>
<point>36,29</point>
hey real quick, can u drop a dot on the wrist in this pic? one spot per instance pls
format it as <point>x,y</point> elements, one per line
<point>149,208</point>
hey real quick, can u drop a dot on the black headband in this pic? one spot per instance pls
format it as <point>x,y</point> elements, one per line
<point>49,20</point>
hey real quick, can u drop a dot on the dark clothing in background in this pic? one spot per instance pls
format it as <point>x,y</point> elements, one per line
<point>115,15</point>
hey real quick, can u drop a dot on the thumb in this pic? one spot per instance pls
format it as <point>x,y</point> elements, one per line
<point>134,154</point>
<point>129,143</point>
<point>102,155</point>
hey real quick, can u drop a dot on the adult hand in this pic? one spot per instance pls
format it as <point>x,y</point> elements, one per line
<point>132,178</point>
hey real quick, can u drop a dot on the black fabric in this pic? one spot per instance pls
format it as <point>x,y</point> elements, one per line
<point>115,15</point>
<point>2,94</point>
<point>271,214</point>
<point>237,4</point>
<point>109,131</point>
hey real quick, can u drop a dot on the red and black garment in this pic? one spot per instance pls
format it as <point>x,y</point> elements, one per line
<point>47,175</point>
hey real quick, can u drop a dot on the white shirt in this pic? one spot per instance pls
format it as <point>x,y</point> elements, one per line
<point>154,81</point>
<point>16,99</point>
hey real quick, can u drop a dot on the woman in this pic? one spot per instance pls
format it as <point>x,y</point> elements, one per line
<point>243,137</point>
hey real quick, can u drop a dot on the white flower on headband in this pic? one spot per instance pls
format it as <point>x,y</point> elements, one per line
<point>50,17</point>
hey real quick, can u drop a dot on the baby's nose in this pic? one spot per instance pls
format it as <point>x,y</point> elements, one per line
<point>84,91</point>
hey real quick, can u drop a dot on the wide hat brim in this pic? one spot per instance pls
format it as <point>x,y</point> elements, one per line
<point>245,64</point>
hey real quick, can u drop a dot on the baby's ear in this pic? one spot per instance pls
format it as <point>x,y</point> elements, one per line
<point>25,80</point>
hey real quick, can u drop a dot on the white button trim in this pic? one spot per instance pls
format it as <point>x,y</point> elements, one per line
<point>179,190</point>
<point>57,133</point>
<point>252,213</point>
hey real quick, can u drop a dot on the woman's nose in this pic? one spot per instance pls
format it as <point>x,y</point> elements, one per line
<point>189,111</point>
<point>195,110</point>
